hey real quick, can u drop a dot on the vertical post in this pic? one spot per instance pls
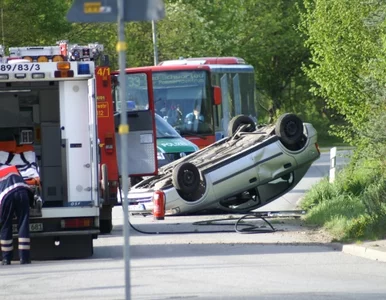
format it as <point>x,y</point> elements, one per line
<point>2,27</point>
<point>332,164</point>
<point>123,132</point>
<point>154,31</point>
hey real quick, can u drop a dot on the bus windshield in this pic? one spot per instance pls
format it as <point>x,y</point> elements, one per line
<point>164,129</point>
<point>183,99</point>
<point>232,75</point>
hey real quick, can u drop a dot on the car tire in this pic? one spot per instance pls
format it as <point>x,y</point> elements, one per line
<point>289,129</point>
<point>186,178</point>
<point>236,121</point>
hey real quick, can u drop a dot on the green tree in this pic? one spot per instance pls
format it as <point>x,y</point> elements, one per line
<point>346,50</point>
<point>34,22</point>
<point>262,32</point>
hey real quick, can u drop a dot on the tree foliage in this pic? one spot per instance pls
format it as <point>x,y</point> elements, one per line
<point>345,38</point>
<point>33,22</point>
<point>262,32</point>
<point>340,47</point>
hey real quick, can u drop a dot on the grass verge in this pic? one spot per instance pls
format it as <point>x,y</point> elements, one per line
<point>353,208</point>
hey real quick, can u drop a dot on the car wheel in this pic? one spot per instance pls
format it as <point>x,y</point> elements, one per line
<point>237,121</point>
<point>186,177</point>
<point>289,129</point>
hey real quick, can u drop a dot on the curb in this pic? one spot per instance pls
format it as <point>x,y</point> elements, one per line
<point>361,251</point>
<point>365,252</point>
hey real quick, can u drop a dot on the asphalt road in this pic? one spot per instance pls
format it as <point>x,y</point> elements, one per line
<point>285,264</point>
<point>199,266</point>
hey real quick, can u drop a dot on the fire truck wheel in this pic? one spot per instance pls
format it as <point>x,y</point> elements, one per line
<point>105,226</point>
<point>237,121</point>
<point>186,177</point>
<point>289,129</point>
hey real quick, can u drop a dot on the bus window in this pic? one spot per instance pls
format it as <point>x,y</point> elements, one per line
<point>137,98</point>
<point>236,94</point>
<point>247,88</point>
<point>183,98</point>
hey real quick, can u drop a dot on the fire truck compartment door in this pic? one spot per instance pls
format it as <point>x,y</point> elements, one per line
<point>142,151</point>
<point>93,140</point>
<point>76,143</point>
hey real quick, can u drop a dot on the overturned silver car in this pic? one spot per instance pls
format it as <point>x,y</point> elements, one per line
<point>240,173</point>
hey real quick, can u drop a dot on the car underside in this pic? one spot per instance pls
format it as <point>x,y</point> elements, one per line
<point>244,171</point>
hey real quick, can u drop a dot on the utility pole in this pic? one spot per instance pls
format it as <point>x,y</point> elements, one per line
<point>123,132</point>
<point>2,26</point>
<point>154,31</point>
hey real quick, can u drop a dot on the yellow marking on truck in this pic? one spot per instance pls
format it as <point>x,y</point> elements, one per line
<point>103,110</point>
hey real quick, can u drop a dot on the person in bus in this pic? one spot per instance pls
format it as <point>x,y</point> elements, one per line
<point>195,116</point>
<point>175,115</point>
<point>15,198</point>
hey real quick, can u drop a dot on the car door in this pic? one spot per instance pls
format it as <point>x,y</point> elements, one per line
<point>142,151</point>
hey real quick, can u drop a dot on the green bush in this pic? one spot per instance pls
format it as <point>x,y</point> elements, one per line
<point>354,206</point>
<point>319,193</point>
<point>366,227</point>
<point>343,206</point>
<point>374,196</point>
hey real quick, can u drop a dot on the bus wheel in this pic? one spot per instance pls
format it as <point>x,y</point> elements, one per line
<point>238,121</point>
<point>186,177</point>
<point>289,129</point>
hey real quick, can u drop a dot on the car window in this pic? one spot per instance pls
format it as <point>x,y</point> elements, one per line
<point>164,129</point>
<point>275,187</point>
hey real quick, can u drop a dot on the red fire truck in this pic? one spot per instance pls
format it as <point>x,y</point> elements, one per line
<point>107,145</point>
<point>142,140</point>
<point>109,176</point>
<point>142,157</point>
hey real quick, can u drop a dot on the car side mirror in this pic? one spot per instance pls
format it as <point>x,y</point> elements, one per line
<point>217,95</point>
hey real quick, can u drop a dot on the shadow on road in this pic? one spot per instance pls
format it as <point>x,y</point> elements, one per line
<point>285,296</point>
<point>207,224</point>
<point>197,250</point>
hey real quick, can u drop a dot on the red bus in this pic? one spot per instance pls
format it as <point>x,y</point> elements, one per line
<point>199,96</point>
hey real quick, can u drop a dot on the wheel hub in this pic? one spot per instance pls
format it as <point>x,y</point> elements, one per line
<point>188,177</point>
<point>291,128</point>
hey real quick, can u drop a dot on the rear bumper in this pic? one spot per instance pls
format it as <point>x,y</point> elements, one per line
<point>50,224</point>
<point>69,212</point>
<point>64,233</point>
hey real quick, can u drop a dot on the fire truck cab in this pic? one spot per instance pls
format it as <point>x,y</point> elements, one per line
<point>48,129</point>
